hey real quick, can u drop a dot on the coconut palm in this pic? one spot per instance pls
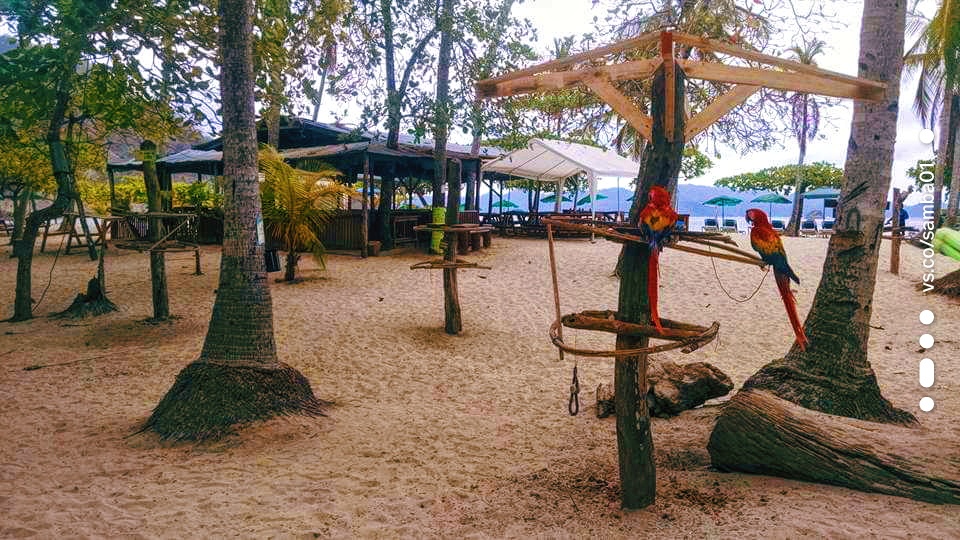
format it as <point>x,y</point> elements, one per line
<point>238,377</point>
<point>297,205</point>
<point>806,122</point>
<point>936,56</point>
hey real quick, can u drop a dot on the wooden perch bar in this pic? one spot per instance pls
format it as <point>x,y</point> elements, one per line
<point>719,107</point>
<point>581,321</point>
<point>559,80</point>
<point>780,80</point>
<point>736,250</point>
<point>875,90</point>
<point>685,346</point>
<point>618,47</point>
<point>748,260</point>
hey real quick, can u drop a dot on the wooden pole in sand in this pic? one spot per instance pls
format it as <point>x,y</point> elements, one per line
<point>453,323</point>
<point>158,272</point>
<point>660,164</point>
<point>896,233</point>
<point>365,206</point>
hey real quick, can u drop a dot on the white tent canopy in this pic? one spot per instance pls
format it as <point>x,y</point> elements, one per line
<point>554,161</point>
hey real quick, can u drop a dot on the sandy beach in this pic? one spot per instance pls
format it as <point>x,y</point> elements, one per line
<point>429,435</point>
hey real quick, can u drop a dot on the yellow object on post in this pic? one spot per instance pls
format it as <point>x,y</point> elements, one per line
<point>439,217</point>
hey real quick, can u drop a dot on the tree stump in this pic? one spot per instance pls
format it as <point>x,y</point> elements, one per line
<point>760,433</point>
<point>674,388</point>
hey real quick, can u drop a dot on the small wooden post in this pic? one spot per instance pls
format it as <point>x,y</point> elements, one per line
<point>453,323</point>
<point>669,86</point>
<point>896,233</point>
<point>365,206</point>
<point>158,272</point>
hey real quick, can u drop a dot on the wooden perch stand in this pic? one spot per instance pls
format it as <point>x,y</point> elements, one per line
<point>667,129</point>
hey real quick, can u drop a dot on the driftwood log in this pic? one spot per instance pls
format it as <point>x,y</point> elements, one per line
<point>674,388</point>
<point>763,434</point>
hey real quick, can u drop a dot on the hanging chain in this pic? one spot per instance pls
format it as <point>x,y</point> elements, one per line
<point>724,289</point>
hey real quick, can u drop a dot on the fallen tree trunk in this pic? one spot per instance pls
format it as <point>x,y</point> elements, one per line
<point>763,434</point>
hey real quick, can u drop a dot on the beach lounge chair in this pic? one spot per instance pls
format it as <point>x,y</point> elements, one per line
<point>778,225</point>
<point>730,226</point>
<point>826,228</point>
<point>808,228</point>
<point>710,225</point>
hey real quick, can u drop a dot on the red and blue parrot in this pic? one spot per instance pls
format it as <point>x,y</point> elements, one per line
<point>656,220</point>
<point>767,243</point>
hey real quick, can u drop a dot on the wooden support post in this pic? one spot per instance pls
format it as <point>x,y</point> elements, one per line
<point>660,166</point>
<point>453,323</point>
<point>896,232</point>
<point>158,272</point>
<point>113,189</point>
<point>669,87</point>
<point>365,205</point>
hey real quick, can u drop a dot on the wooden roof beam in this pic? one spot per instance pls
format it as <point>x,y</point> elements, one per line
<point>561,63</point>
<point>876,88</point>
<point>638,69</point>
<point>780,80</point>
<point>719,107</point>
<point>622,105</point>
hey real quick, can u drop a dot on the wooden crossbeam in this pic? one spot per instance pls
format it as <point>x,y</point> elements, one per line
<point>639,69</point>
<point>873,90</point>
<point>669,84</point>
<point>560,63</point>
<point>780,80</point>
<point>622,105</point>
<point>719,107</point>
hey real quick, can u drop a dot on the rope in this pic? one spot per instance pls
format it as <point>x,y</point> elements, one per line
<point>556,286</point>
<point>724,289</point>
<point>49,277</point>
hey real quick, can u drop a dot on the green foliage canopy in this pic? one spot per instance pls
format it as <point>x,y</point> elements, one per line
<point>781,179</point>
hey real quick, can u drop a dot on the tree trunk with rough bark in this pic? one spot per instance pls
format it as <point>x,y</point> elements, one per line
<point>238,378</point>
<point>945,152</point>
<point>660,166</point>
<point>954,200</point>
<point>66,194</point>
<point>796,215</point>
<point>833,375</point>
<point>442,110</point>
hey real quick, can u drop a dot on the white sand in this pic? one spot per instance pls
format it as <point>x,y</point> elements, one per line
<point>430,435</point>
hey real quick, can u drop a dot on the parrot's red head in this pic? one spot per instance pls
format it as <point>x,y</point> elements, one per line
<point>659,196</point>
<point>757,217</point>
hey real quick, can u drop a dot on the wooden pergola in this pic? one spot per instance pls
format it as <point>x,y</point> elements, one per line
<point>667,127</point>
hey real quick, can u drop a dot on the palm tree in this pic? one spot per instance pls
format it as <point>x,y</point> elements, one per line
<point>806,122</point>
<point>297,205</point>
<point>238,378</point>
<point>768,427</point>
<point>936,55</point>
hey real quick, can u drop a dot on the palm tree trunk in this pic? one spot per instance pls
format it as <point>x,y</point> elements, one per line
<point>945,150</point>
<point>796,215</point>
<point>443,108</point>
<point>834,376</point>
<point>955,159</point>
<point>237,378</point>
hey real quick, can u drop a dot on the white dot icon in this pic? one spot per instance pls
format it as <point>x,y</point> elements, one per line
<point>926,341</point>
<point>926,316</point>
<point>926,404</point>
<point>926,136</point>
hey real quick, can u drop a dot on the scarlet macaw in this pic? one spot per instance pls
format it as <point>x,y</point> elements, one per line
<point>767,243</point>
<point>657,220</point>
